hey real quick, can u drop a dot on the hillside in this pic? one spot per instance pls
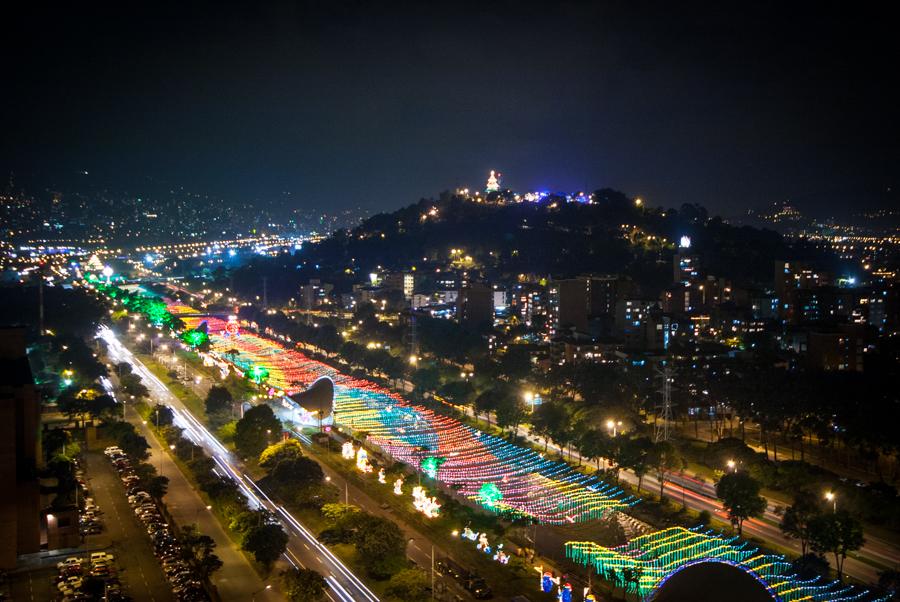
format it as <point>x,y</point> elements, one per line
<point>551,238</point>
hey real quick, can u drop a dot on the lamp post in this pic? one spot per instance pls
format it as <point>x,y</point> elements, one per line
<point>831,497</point>
<point>253,595</point>
<point>613,426</point>
<point>197,520</point>
<point>732,465</point>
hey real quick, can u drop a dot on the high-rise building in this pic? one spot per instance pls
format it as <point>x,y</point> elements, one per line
<point>475,305</point>
<point>20,512</point>
<point>588,303</point>
<point>793,276</point>
<point>404,282</point>
<point>685,266</point>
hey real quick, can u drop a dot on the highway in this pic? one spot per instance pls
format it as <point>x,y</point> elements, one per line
<point>304,550</point>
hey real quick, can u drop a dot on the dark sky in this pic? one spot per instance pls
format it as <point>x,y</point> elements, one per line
<point>732,105</point>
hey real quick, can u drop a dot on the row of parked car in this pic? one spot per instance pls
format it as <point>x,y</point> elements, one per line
<point>86,578</point>
<point>89,521</point>
<point>185,584</point>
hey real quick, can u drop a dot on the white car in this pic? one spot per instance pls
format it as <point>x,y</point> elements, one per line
<point>101,556</point>
<point>68,562</point>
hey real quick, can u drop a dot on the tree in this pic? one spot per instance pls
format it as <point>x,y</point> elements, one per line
<point>134,445</point>
<point>548,420</point>
<point>162,415</point>
<point>797,519</point>
<point>301,585</point>
<point>409,585</point>
<point>837,533</point>
<point>665,458</point>
<point>123,368</point>
<point>379,542</point>
<point>255,430</point>
<point>73,405</point>
<point>132,385</point>
<point>197,551</point>
<point>510,410</point>
<point>461,392</point>
<point>157,486</point>
<point>635,455</point>
<point>335,513</point>
<point>267,542</point>
<point>291,473</point>
<point>283,450</point>
<point>739,493</point>
<point>426,379</point>
<point>99,405</point>
<point>486,403</point>
<point>53,440</point>
<point>315,494</point>
<point>218,400</point>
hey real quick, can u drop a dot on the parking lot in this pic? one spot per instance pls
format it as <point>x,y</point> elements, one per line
<point>126,536</point>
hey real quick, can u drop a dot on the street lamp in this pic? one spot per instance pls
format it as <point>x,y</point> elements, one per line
<point>831,497</point>
<point>253,595</point>
<point>732,465</point>
<point>613,426</point>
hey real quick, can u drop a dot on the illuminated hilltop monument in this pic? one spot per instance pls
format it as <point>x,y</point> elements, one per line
<point>493,183</point>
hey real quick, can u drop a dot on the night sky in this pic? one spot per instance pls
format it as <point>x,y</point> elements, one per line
<point>732,105</point>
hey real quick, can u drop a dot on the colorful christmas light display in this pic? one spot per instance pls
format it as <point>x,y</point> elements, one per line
<point>137,300</point>
<point>347,451</point>
<point>425,504</point>
<point>430,466</point>
<point>643,564</point>
<point>195,337</point>
<point>522,482</point>
<point>362,461</point>
<point>489,495</point>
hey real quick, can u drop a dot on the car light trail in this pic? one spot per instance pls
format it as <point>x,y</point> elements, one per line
<point>353,589</point>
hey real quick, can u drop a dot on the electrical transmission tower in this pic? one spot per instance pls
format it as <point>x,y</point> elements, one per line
<point>664,414</point>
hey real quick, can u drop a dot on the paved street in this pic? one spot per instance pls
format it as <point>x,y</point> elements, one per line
<point>140,570</point>
<point>236,580</point>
